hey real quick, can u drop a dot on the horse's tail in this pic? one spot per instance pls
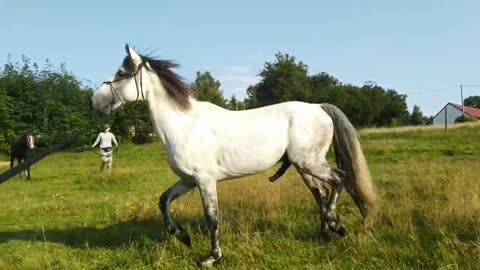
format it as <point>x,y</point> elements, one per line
<point>349,158</point>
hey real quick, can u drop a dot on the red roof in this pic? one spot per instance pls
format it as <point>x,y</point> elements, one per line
<point>468,110</point>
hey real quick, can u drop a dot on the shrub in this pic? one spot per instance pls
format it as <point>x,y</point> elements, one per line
<point>464,119</point>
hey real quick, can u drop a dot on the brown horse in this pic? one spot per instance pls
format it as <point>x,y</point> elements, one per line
<point>21,148</point>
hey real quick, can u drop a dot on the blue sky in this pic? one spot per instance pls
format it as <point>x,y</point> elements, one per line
<point>425,49</point>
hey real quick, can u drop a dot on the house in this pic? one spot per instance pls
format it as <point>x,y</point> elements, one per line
<point>452,111</point>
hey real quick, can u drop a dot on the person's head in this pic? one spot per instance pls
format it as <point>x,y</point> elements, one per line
<point>106,128</point>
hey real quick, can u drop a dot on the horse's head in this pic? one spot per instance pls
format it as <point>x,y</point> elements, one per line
<point>138,75</point>
<point>125,86</point>
<point>30,140</point>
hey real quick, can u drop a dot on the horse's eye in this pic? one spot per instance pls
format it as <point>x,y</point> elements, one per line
<point>121,73</point>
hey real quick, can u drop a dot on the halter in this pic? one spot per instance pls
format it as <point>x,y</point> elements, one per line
<point>134,75</point>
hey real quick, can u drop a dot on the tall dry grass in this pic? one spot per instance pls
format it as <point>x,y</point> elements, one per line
<point>69,217</point>
<point>416,128</point>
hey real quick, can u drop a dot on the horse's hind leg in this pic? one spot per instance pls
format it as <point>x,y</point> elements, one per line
<point>178,189</point>
<point>336,179</point>
<point>19,162</point>
<point>320,193</point>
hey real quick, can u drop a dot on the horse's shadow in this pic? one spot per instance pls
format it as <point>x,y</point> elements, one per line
<point>122,234</point>
<point>112,236</point>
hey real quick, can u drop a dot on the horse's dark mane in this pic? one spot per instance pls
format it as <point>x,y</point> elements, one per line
<point>174,84</point>
<point>26,133</point>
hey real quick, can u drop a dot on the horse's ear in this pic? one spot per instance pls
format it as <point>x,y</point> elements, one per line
<point>136,59</point>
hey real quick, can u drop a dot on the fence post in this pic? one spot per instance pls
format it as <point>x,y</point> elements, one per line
<point>446,108</point>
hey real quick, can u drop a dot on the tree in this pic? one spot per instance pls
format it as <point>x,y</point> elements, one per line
<point>50,101</point>
<point>235,105</point>
<point>395,109</point>
<point>428,120</point>
<point>416,118</point>
<point>323,85</point>
<point>464,119</point>
<point>250,101</point>
<point>134,122</point>
<point>6,121</point>
<point>283,80</point>
<point>286,79</point>
<point>208,89</point>
<point>473,101</point>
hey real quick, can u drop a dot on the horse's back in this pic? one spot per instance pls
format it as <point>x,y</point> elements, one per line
<point>13,145</point>
<point>17,150</point>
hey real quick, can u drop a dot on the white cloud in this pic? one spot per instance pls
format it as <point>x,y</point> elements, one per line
<point>240,69</point>
<point>236,79</point>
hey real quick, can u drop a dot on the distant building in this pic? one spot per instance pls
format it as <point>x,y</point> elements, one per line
<point>452,111</point>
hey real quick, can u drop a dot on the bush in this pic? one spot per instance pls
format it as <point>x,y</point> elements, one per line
<point>394,123</point>
<point>464,119</point>
<point>5,141</point>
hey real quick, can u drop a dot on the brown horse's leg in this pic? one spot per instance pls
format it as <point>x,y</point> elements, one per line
<point>28,173</point>
<point>20,162</point>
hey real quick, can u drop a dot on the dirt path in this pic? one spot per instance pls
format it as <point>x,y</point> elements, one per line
<point>4,163</point>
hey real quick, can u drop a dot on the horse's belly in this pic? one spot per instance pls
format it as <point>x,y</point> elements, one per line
<point>250,159</point>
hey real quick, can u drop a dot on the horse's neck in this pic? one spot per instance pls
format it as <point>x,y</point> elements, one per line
<point>169,120</point>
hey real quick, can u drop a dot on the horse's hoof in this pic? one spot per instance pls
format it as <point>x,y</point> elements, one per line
<point>341,231</point>
<point>183,237</point>
<point>210,261</point>
<point>337,228</point>
<point>324,237</point>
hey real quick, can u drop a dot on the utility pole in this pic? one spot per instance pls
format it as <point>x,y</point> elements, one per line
<point>446,119</point>
<point>461,93</point>
<point>461,96</point>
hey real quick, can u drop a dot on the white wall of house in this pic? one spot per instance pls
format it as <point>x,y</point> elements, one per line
<point>452,113</point>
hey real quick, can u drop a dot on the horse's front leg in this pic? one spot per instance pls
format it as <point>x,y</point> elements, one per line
<point>208,191</point>
<point>178,189</point>
<point>20,162</point>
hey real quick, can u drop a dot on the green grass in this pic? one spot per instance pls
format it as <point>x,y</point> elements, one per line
<point>70,217</point>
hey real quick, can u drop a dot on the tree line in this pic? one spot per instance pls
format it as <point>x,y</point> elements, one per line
<point>50,101</point>
<point>286,79</point>
<point>54,103</point>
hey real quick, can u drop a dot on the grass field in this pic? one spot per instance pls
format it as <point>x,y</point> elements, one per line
<point>70,217</point>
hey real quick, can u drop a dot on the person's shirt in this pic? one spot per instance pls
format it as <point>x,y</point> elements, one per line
<point>105,139</point>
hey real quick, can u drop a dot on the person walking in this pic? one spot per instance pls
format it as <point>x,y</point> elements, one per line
<point>105,139</point>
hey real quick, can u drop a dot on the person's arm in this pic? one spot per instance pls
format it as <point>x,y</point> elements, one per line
<point>114,140</point>
<point>96,141</point>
